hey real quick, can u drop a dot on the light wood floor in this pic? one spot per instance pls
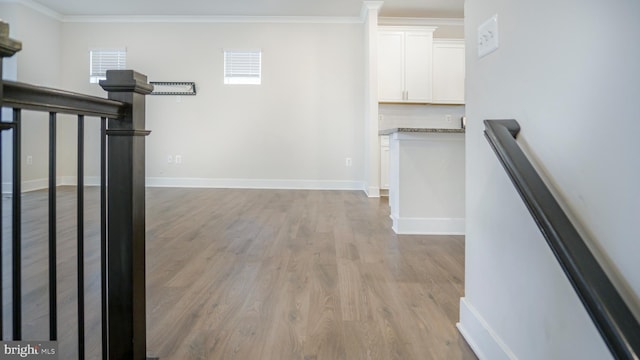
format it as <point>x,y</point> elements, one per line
<point>275,274</point>
<point>266,274</point>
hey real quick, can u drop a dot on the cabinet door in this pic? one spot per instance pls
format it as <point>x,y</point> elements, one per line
<point>448,72</point>
<point>418,66</point>
<point>390,66</point>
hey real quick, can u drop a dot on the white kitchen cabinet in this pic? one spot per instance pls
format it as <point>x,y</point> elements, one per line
<point>405,64</point>
<point>384,162</point>
<point>448,71</point>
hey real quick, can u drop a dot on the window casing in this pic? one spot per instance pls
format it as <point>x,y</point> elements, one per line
<point>242,67</point>
<point>101,60</point>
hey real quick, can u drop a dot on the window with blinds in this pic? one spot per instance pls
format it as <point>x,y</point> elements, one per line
<point>101,60</point>
<point>242,66</point>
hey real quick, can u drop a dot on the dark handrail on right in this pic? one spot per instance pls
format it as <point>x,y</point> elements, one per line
<point>611,315</point>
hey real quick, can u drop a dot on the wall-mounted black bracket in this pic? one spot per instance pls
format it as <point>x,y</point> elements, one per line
<point>173,88</point>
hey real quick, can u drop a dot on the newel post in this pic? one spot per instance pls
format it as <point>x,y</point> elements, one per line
<point>126,217</point>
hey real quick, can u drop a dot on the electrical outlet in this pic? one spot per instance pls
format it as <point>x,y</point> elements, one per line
<point>29,160</point>
<point>348,162</point>
<point>178,159</point>
<point>488,36</point>
<point>169,159</point>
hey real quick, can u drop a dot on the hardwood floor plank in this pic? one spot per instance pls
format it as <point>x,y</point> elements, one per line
<point>287,337</point>
<point>353,294</point>
<point>324,338</point>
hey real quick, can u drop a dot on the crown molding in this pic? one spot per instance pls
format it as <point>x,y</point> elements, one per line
<point>215,19</point>
<point>187,19</point>
<point>37,7</point>
<point>406,21</point>
<point>368,6</point>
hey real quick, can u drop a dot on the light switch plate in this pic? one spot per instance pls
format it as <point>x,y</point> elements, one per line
<point>488,36</point>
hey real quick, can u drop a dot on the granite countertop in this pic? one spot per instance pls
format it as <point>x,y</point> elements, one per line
<point>420,130</point>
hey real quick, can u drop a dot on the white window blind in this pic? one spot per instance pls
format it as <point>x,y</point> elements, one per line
<point>101,60</point>
<point>242,66</point>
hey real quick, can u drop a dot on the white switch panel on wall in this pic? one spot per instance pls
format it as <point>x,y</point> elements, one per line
<point>488,36</point>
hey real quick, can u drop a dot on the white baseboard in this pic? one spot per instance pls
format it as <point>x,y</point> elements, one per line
<point>373,192</point>
<point>31,185</point>
<point>428,226</point>
<point>484,342</point>
<point>254,183</point>
<point>39,184</point>
<point>28,185</point>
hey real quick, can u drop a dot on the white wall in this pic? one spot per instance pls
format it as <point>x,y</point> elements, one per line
<point>567,71</point>
<point>294,130</point>
<point>37,63</point>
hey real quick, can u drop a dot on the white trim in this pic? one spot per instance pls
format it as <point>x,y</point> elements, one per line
<point>368,6</point>
<point>212,19</point>
<point>73,180</point>
<point>44,10</point>
<point>254,183</point>
<point>26,186</point>
<point>39,184</point>
<point>29,185</point>
<point>406,21</point>
<point>186,19</point>
<point>484,342</point>
<point>428,226</point>
<point>373,192</point>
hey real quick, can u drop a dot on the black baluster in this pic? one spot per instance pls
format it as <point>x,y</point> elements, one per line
<point>103,234</point>
<point>80,257</point>
<point>16,230</point>
<point>3,126</point>
<point>2,26</point>
<point>53,293</point>
<point>1,223</point>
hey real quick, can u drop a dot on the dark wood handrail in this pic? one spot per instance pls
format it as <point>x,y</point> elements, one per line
<point>29,97</point>
<point>610,314</point>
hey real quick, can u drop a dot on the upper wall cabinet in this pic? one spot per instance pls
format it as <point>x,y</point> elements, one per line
<point>448,71</point>
<point>405,64</point>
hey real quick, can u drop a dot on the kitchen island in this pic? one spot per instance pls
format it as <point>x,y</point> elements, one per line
<point>426,180</point>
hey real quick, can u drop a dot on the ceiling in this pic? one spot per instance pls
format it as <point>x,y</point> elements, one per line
<point>339,8</point>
